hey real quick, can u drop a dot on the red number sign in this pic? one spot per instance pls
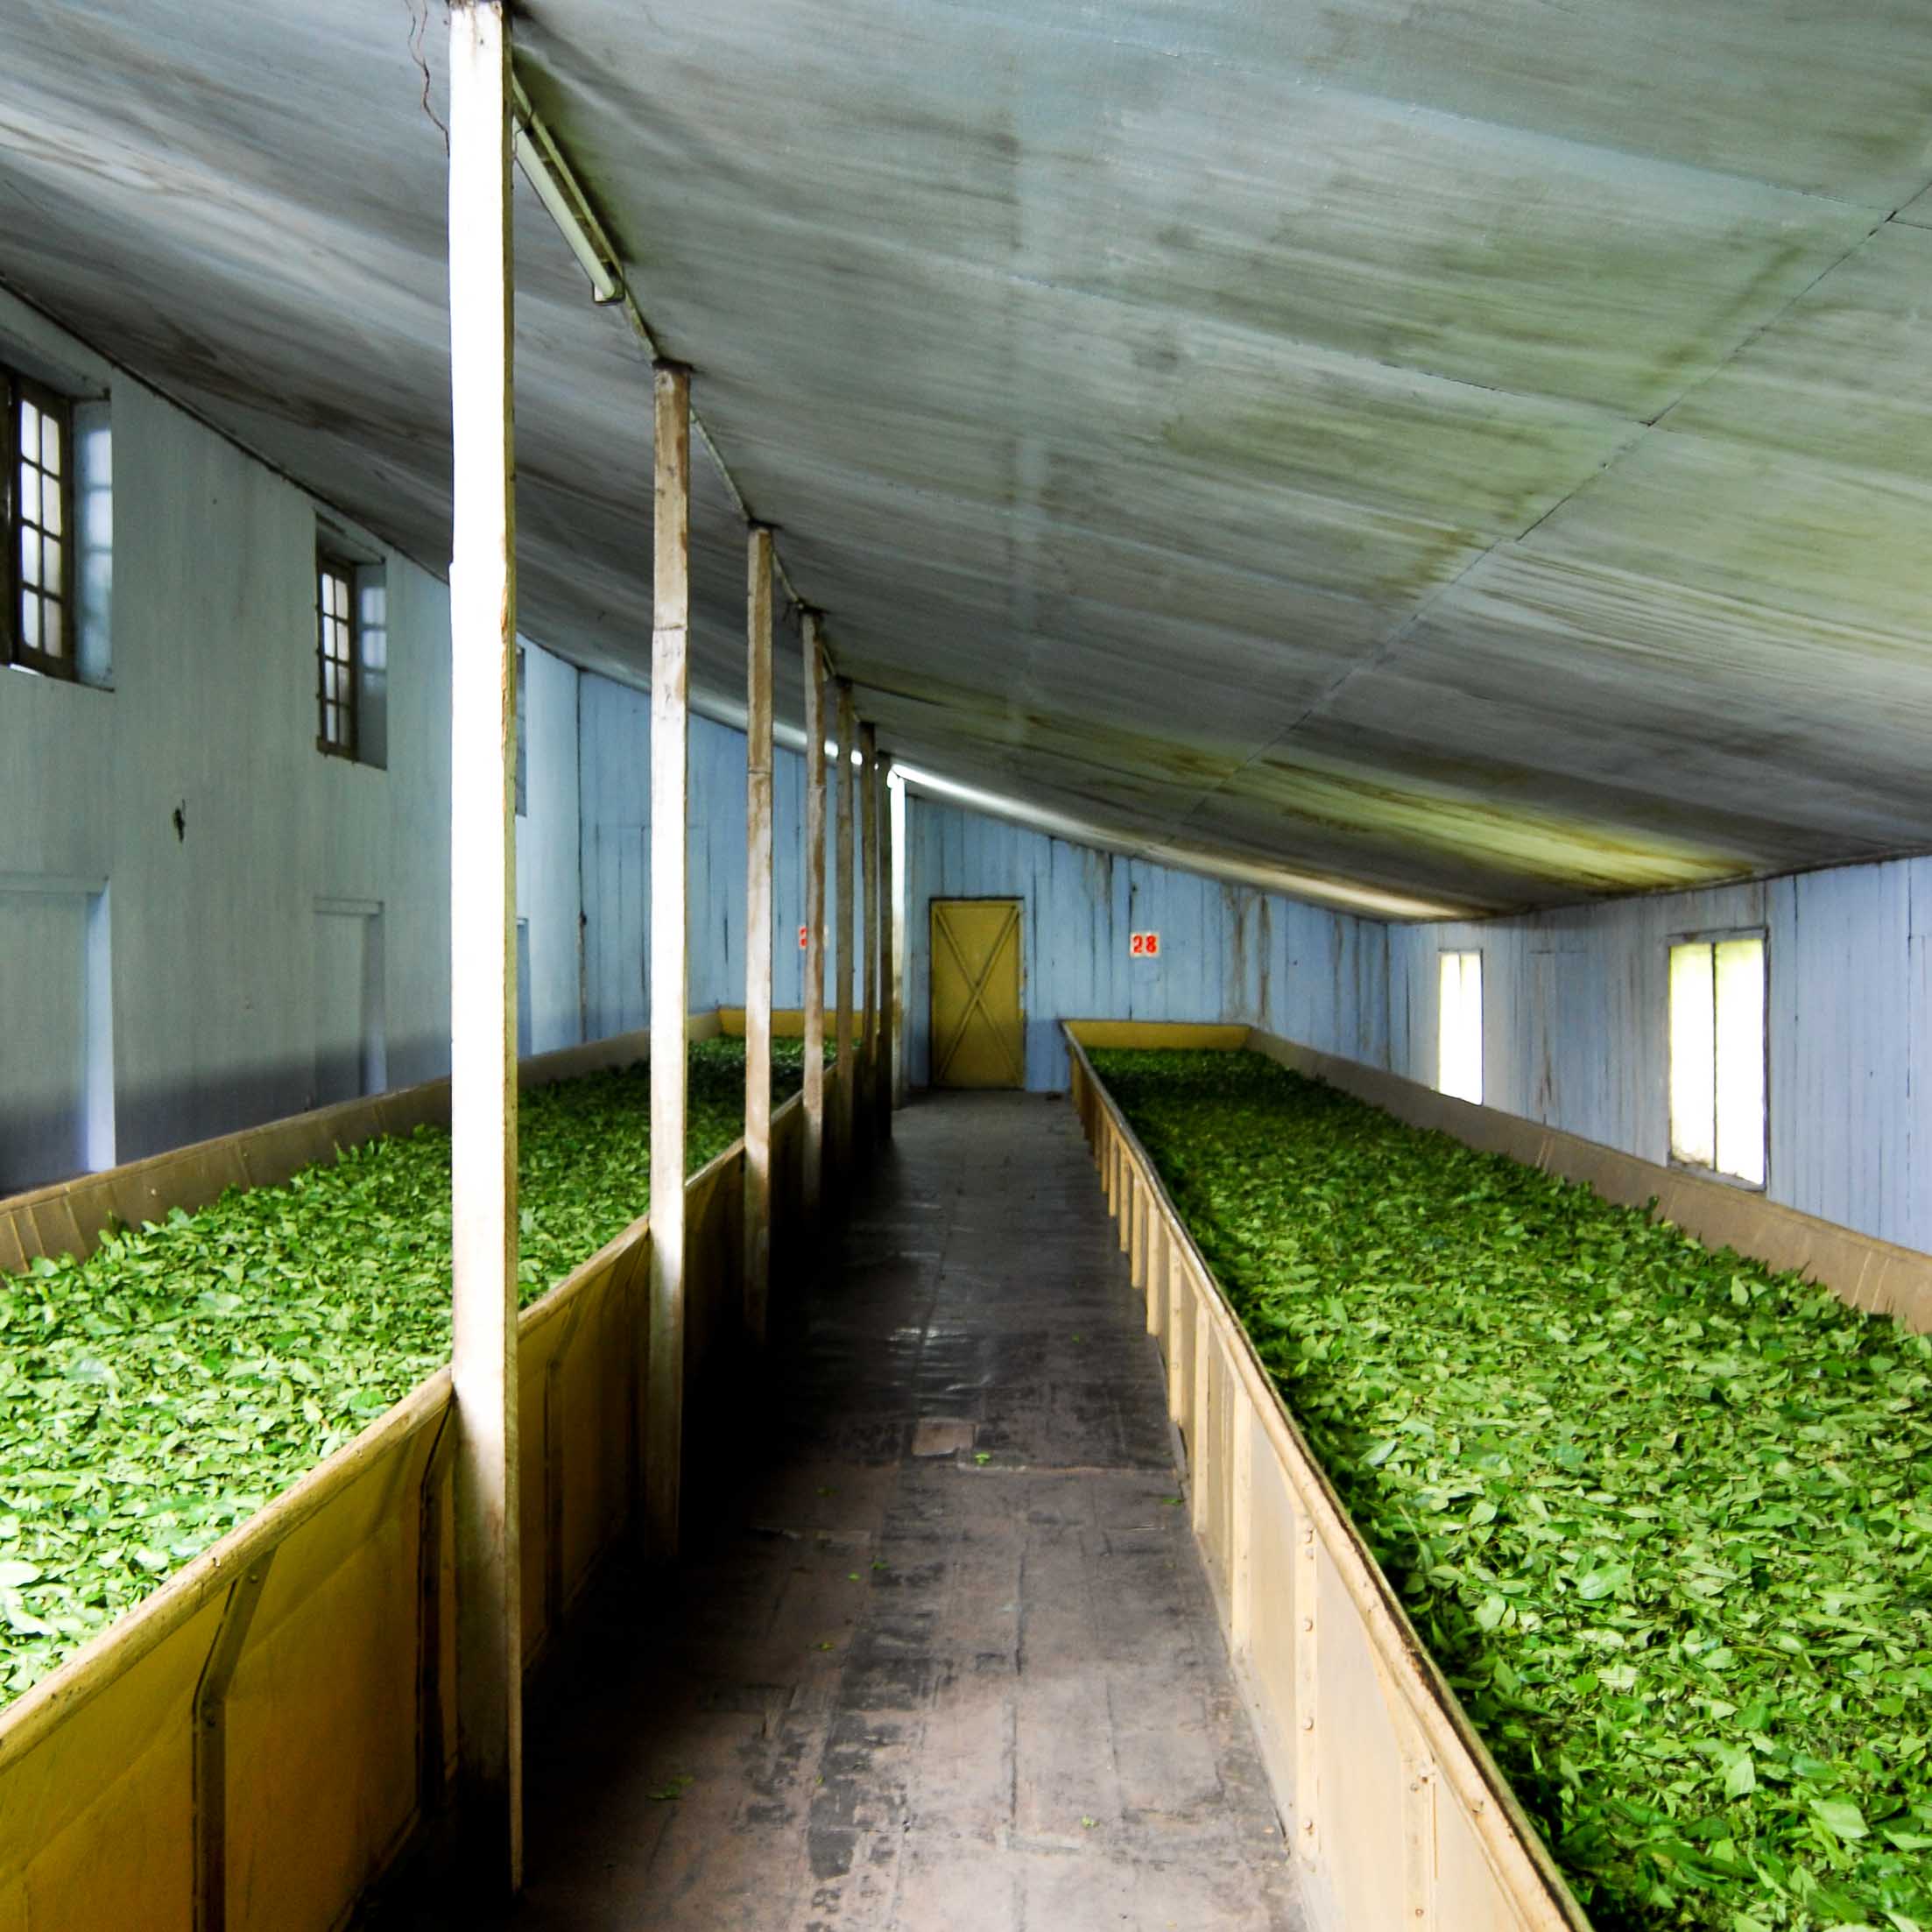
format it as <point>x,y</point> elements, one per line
<point>1144,945</point>
<point>805,937</point>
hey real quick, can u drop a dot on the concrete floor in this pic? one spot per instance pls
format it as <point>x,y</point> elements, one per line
<point>946,1660</point>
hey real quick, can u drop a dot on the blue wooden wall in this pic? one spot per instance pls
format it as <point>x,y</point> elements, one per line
<point>614,777</point>
<point>1227,952</point>
<point>1575,1013</point>
<point>1325,978</point>
<point>1575,1006</point>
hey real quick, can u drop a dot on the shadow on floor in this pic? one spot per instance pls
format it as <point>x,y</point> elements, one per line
<point>941,1657</point>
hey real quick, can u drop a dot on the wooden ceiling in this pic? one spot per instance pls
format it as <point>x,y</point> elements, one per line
<point>1478,455</point>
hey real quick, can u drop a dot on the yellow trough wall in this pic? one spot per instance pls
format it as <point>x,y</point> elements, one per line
<point>1398,1815</point>
<point>251,1745</point>
<point>67,1216</point>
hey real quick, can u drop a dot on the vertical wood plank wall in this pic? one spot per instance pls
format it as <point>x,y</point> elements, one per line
<point>1575,1015</point>
<point>1574,1001</point>
<point>615,778</point>
<point>1227,952</point>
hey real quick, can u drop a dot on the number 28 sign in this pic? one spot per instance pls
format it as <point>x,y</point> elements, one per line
<point>1144,945</point>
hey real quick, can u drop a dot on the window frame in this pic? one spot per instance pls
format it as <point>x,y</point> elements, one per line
<point>20,389</point>
<point>1713,937</point>
<point>333,563</point>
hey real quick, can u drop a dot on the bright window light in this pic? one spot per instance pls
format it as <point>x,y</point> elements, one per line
<point>1459,1027</point>
<point>1717,1056</point>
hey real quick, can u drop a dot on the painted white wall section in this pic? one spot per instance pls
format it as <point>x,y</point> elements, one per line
<point>193,789</point>
<point>351,1035</point>
<point>44,1123</point>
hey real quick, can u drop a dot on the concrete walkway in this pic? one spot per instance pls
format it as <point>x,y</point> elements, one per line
<point>947,1661</point>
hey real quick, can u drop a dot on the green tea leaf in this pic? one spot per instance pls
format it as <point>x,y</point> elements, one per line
<point>153,1396</point>
<point>1663,1516</point>
<point>1840,1816</point>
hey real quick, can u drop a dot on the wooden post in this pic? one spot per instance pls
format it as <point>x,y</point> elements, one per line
<point>209,1746</point>
<point>814,1165</point>
<point>1201,1454</point>
<point>888,925</point>
<point>1308,1683</point>
<point>670,1004</point>
<point>899,927</point>
<point>758,936</point>
<point>1159,1260</point>
<point>867,1071</point>
<point>1243,1424</point>
<point>483,971</point>
<point>847,906</point>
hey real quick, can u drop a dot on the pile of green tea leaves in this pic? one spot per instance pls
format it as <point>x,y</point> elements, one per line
<point>157,1394</point>
<point>1664,1518</point>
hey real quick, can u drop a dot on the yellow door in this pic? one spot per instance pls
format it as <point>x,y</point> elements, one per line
<point>979,1033</point>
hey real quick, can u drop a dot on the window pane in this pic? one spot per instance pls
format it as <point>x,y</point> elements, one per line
<point>50,444</point>
<point>1459,1026</point>
<point>30,429</point>
<point>30,620</point>
<point>334,642</point>
<point>30,495</point>
<point>29,557</point>
<point>50,563</point>
<point>1692,1051</point>
<point>1740,1059</point>
<point>50,508</point>
<point>54,635</point>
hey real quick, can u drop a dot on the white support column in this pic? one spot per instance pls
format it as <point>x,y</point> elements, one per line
<point>482,984</point>
<point>815,921</point>
<point>670,911</point>
<point>758,934</point>
<point>847,906</point>
<point>884,1044</point>
<point>867,1070</point>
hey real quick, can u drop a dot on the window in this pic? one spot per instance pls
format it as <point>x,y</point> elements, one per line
<point>1459,1027</point>
<point>39,454</point>
<point>1717,1056</point>
<point>335,629</point>
<point>351,650</point>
